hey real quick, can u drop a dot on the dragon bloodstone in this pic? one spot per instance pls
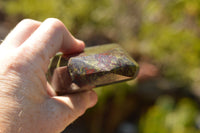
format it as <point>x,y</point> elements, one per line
<point>99,65</point>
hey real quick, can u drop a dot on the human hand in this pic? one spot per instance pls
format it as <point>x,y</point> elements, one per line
<point>27,102</point>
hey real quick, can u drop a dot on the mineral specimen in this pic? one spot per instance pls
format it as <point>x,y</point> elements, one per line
<point>97,66</point>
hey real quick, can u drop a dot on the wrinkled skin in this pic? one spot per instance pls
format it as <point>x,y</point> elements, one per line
<point>27,102</point>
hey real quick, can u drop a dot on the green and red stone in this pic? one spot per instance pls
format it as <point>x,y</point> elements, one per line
<point>100,65</point>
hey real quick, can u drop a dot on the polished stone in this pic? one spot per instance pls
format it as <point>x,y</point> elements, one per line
<point>95,66</point>
<point>101,65</point>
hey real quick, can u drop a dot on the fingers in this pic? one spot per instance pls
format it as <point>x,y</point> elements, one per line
<point>51,37</point>
<point>64,110</point>
<point>63,84</point>
<point>61,80</point>
<point>50,91</point>
<point>78,102</point>
<point>20,33</point>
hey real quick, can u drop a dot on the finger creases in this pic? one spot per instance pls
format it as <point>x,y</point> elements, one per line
<point>79,101</point>
<point>63,110</point>
<point>74,105</point>
<point>49,38</point>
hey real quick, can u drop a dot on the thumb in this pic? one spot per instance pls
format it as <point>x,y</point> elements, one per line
<point>63,110</point>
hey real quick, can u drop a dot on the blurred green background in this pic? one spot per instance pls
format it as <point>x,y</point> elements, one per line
<point>163,36</point>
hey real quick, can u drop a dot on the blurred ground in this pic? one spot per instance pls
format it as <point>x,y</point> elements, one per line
<point>163,36</point>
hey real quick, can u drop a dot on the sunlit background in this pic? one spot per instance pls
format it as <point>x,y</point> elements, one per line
<point>163,36</point>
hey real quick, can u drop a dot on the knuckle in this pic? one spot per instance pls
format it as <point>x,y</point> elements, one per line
<point>54,22</point>
<point>26,21</point>
<point>29,23</point>
<point>16,63</point>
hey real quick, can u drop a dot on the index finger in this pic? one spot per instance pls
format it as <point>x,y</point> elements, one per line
<point>50,37</point>
<point>20,33</point>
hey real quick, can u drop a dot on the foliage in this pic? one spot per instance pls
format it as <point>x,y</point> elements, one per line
<point>167,117</point>
<point>163,32</point>
<point>171,33</point>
